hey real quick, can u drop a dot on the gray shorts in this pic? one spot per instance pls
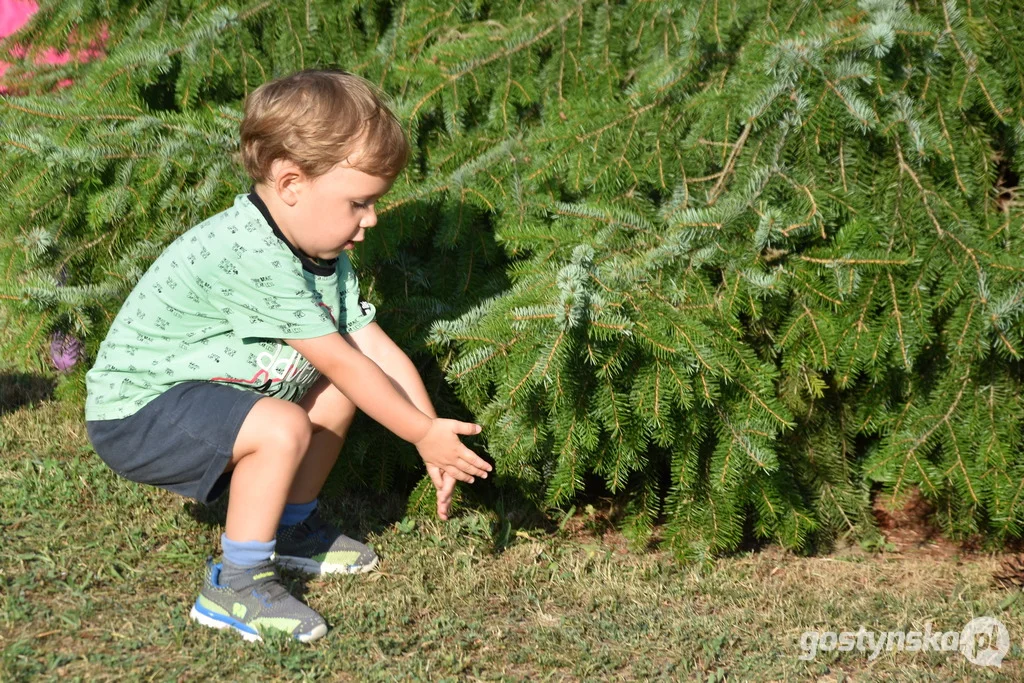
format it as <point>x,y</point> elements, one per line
<point>180,441</point>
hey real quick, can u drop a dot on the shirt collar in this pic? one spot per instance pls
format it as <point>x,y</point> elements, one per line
<point>309,264</point>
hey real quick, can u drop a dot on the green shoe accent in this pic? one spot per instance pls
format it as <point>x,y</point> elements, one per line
<point>351,557</point>
<point>316,547</point>
<point>276,623</point>
<point>250,599</point>
<point>211,605</point>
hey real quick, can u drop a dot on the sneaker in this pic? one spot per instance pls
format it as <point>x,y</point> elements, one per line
<point>254,599</point>
<point>315,547</point>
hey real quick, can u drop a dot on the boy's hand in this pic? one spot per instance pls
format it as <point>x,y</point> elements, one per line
<point>445,485</point>
<point>441,447</point>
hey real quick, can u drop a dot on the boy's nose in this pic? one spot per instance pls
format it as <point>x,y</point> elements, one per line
<point>369,220</point>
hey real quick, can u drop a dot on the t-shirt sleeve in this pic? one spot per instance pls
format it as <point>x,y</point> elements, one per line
<point>270,301</point>
<point>356,313</point>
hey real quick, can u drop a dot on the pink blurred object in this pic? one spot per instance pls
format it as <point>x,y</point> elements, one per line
<point>13,15</point>
<point>65,351</point>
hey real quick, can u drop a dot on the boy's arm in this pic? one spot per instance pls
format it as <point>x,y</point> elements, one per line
<point>375,344</point>
<point>366,385</point>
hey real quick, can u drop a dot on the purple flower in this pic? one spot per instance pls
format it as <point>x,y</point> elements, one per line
<point>65,351</point>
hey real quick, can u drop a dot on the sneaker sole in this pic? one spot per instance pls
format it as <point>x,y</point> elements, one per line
<point>197,616</point>
<point>309,566</point>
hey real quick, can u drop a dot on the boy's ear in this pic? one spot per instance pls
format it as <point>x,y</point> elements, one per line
<point>288,180</point>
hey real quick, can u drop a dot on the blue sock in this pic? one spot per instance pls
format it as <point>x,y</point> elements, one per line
<point>295,513</point>
<point>246,553</point>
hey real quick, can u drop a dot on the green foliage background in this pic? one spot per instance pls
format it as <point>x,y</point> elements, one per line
<point>741,262</point>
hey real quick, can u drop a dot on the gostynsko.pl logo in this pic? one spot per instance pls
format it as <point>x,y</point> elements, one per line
<point>984,641</point>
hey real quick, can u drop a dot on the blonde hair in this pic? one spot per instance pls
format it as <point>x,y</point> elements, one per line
<point>317,119</point>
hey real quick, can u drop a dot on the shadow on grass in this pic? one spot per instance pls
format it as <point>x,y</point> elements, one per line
<point>357,515</point>
<point>362,514</point>
<point>513,505</point>
<point>19,389</point>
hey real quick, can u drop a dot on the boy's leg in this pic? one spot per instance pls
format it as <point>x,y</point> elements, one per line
<point>331,413</point>
<point>245,592</point>
<point>268,451</point>
<point>305,541</point>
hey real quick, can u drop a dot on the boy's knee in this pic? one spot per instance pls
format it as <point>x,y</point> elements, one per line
<point>278,427</point>
<point>290,429</point>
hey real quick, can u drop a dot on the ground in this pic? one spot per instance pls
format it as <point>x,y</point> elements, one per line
<point>97,576</point>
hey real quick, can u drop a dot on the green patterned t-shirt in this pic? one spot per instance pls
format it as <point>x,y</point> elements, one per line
<point>214,306</point>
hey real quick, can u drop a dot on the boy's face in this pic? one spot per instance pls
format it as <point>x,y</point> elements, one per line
<point>334,211</point>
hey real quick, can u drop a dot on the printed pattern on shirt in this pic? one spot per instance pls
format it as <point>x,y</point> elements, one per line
<point>215,306</point>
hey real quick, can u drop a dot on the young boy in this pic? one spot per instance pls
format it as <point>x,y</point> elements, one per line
<point>238,361</point>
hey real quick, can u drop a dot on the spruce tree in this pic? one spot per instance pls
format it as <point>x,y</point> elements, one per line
<point>741,262</point>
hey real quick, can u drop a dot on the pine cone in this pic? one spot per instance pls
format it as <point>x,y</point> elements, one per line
<point>1011,572</point>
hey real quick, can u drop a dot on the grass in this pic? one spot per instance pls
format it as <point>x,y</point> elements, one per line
<point>97,576</point>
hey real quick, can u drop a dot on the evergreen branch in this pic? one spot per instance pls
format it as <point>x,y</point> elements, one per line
<point>743,443</point>
<point>419,193</point>
<point>579,139</point>
<point>1006,343</point>
<point>680,384</point>
<point>657,393</point>
<point>865,124</point>
<point>652,342</point>
<point>452,78</point>
<point>967,324</point>
<point>1010,51</point>
<point>755,398</point>
<point>964,380</point>
<point>931,214</point>
<point>971,64</point>
<point>899,321</point>
<point>952,152</point>
<point>617,428</point>
<point>1015,500</point>
<point>731,163</point>
<point>811,214</point>
<point>563,452</point>
<point>827,489</point>
<point>852,262</point>
<point>817,333</point>
<point>993,429</point>
<point>797,277</point>
<point>606,326</point>
<point>483,360</point>
<point>960,463</point>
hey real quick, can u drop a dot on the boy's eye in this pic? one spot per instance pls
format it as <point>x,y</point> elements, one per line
<point>359,205</point>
